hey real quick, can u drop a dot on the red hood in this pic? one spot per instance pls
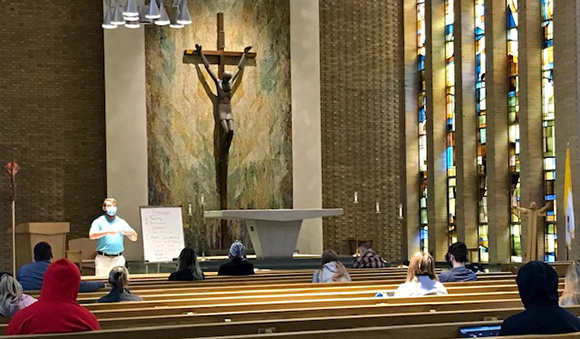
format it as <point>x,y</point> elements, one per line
<point>61,282</point>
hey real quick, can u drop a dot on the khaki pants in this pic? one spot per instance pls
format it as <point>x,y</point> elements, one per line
<point>104,264</point>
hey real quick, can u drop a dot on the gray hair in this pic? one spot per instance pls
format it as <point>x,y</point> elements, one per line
<point>10,292</point>
<point>119,278</point>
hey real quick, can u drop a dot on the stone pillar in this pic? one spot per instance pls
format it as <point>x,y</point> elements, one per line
<point>567,86</point>
<point>410,125</point>
<point>436,129</point>
<point>530,116</point>
<point>498,198</point>
<point>465,123</point>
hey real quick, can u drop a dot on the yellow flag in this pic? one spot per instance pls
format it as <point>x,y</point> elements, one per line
<point>568,202</point>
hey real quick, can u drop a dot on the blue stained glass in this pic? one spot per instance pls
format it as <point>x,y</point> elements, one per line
<point>511,21</point>
<point>449,157</point>
<point>550,197</point>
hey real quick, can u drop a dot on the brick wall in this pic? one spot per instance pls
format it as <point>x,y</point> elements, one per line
<point>362,126</point>
<point>52,113</point>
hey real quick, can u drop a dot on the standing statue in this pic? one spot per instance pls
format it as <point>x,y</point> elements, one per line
<point>533,212</point>
<point>224,90</point>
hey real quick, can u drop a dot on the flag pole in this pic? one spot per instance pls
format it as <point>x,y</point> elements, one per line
<point>12,168</point>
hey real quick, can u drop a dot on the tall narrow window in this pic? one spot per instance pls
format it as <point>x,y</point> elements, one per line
<point>480,108</point>
<point>514,129</point>
<point>450,121</point>
<point>422,119</point>
<point>549,132</point>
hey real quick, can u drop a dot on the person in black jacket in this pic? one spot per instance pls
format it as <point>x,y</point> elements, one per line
<point>237,264</point>
<point>187,267</point>
<point>538,287</point>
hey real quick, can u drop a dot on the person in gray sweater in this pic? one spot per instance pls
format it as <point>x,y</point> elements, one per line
<point>457,257</point>
<point>118,278</point>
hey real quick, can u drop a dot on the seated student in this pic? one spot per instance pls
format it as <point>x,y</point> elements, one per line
<point>119,278</point>
<point>457,257</point>
<point>571,295</point>
<point>538,287</point>
<point>237,264</point>
<point>187,267</point>
<point>12,299</point>
<point>30,276</point>
<point>332,270</point>
<point>421,278</point>
<point>368,257</point>
<point>57,310</point>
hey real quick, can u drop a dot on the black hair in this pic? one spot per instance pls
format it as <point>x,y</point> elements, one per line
<point>459,251</point>
<point>188,260</point>
<point>365,244</point>
<point>42,251</point>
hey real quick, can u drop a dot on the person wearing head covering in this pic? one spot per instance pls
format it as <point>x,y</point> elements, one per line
<point>31,276</point>
<point>119,278</point>
<point>421,278</point>
<point>238,265</point>
<point>331,269</point>
<point>538,287</point>
<point>12,299</point>
<point>57,310</point>
<point>187,267</point>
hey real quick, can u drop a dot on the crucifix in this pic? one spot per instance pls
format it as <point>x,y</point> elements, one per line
<point>533,212</point>
<point>225,83</point>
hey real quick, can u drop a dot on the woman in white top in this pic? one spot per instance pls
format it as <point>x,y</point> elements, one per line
<point>571,295</point>
<point>332,270</point>
<point>421,278</point>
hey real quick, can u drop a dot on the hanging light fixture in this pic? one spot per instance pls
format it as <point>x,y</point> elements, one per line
<point>183,18</point>
<point>153,10</point>
<point>131,9</point>
<point>118,13</point>
<point>108,18</point>
<point>131,15</point>
<point>163,17</point>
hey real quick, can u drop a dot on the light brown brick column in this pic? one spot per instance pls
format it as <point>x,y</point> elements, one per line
<point>497,131</point>
<point>567,85</point>
<point>436,129</point>
<point>465,123</point>
<point>530,115</point>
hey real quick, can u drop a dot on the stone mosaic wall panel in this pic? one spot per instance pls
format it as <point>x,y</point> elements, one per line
<point>180,121</point>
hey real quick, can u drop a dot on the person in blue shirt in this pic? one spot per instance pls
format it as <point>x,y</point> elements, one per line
<point>31,276</point>
<point>109,231</point>
<point>457,257</point>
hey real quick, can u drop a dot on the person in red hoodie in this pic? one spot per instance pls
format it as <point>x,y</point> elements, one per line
<point>57,310</point>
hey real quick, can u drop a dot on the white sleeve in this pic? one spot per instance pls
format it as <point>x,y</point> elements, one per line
<point>95,227</point>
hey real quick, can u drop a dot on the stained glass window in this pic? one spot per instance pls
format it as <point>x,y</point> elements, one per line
<point>549,133</point>
<point>514,129</point>
<point>480,108</point>
<point>450,120</point>
<point>422,119</point>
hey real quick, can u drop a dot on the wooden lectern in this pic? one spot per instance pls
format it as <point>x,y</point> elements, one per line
<point>31,233</point>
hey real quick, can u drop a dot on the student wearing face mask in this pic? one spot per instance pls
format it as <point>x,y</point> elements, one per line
<point>109,230</point>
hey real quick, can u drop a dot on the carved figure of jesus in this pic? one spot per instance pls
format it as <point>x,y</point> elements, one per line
<point>533,212</point>
<point>224,90</point>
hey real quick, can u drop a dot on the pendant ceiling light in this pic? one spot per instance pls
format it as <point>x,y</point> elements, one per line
<point>131,15</point>
<point>183,17</point>
<point>153,10</point>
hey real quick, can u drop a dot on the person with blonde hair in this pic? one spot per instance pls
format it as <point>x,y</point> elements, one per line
<point>571,295</point>
<point>119,279</point>
<point>421,278</point>
<point>12,298</point>
<point>332,270</point>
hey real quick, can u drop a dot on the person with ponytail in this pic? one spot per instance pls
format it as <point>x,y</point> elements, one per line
<point>332,270</point>
<point>187,267</point>
<point>118,279</point>
<point>12,299</point>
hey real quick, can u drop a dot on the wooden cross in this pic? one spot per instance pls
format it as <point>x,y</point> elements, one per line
<point>222,141</point>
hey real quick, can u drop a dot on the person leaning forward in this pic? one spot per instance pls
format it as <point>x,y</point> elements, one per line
<point>109,230</point>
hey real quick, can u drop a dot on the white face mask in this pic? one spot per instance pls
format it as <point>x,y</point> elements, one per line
<point>111,211</point>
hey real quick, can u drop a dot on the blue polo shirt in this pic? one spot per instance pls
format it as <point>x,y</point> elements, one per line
<point>110,243</point>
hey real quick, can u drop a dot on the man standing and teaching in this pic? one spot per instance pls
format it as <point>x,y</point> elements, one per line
<point>108,230</point>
